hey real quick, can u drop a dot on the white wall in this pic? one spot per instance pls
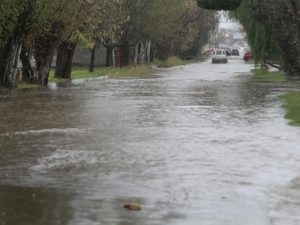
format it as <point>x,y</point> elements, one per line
<point>82,56</point>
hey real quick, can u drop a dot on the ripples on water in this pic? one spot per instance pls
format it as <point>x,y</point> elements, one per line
<point>198,144</point>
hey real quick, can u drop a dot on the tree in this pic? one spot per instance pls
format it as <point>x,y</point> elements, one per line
<point>278,19</point>
<point>153,32</point>
<point>282,21</point>
<point>105,24</point>
<point>60,24</point>
<point>38,26</point>
<point>11,15</point>
<point>86,21</point>
<point>78,34</point>
<point>263,45</point>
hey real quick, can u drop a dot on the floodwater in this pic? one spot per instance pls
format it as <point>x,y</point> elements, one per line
<point>198,144</point>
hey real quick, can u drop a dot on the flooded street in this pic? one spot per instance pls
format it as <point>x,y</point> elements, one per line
<point>198,144</point>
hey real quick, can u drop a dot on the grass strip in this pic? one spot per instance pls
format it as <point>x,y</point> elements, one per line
<point>292,105</point>
<point>266,75</point>
<point>171,62</point>
<point>80,73</point>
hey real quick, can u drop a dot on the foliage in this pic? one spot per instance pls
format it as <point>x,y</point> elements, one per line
<point>40,25</point>
<point>219,4</point>
<point>282,19</point>
<point>273,28</point>
<point>262,44</point>
<point>9,11</point>
<point>292,105</point>
<point>56,18</point>
<point>35,18</point>
<point>184,27</point>
<point>104,21</point>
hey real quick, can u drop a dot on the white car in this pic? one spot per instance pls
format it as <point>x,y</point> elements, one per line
<point>219,56</point>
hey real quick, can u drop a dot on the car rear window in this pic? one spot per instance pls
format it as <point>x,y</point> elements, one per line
<point>219,52</point>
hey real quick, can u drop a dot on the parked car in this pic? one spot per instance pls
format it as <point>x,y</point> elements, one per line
<point>219,56</point>
<point>235,52</point>
<point>248,56</point>
<point>228,51</point>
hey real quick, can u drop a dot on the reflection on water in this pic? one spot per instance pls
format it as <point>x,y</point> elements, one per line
<point>286,210</point>
<point>198,144</point>
<point>34,206</point>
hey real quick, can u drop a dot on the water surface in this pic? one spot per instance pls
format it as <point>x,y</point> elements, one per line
<point>197,144</point>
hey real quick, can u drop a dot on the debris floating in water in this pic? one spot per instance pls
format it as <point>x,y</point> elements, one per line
<point>132,206</point>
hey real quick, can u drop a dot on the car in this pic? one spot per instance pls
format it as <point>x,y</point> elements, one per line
<point>219,56</point>
<point>248,56</point>
<point>235,52</point>
<point>228,51</point>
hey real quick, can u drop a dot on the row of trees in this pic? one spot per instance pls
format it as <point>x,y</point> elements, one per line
<point>273,28</point>
<point>34,27</point>
<point>140,29</point>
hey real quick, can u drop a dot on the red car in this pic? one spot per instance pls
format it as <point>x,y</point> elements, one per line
<point>248,56</point>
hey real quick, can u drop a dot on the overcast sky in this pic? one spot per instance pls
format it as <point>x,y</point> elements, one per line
<point>225,23</point>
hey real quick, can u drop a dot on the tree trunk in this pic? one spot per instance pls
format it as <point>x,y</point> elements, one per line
<point>43,71</point>
<point>113,56</point>
<point>148,51</point>
<point>136,52</point>
<point>44,51</point>
<point>291,56</point>
<point>92,63</point>
<point>125,54</point>
<point>9,56</point>
<point>65,52</point>
<point>109,55</point>
<point>27,70</point>
<point>142,54</point>
<point>154,52</point>
<point>131,55</point>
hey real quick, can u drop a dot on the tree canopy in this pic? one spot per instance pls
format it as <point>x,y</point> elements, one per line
<point>220,4</point>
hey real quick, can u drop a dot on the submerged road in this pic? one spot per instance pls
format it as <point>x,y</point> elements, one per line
<point>197,144</point>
